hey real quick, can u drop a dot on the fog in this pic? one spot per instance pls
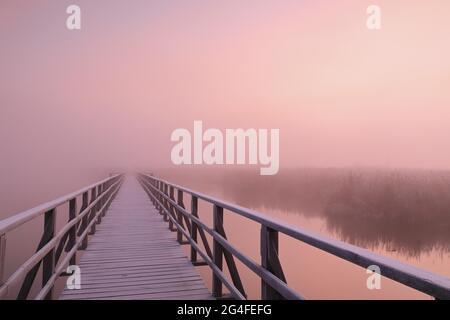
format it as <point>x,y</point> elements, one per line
<point>107,97</point>
<point>363,118</point>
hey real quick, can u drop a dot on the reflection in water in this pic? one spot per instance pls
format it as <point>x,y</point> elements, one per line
<point>407,211</point>
<point>397,213</point>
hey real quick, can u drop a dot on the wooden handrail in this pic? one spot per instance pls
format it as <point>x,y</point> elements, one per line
<point>52,243</point>
<point>270,270</point>
<point>17,220</point>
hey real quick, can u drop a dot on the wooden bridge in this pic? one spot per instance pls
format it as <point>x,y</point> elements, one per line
<point>133,256</point>
<point>128,252</point>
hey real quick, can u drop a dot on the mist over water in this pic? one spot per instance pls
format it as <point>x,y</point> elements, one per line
<point>400,210</point>
<point>364,117</point>
<point>400,213</point>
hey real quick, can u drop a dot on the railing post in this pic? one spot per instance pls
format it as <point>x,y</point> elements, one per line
<point>112,193</point>
<point>2,257</point>
<point>179,214</point>
<point>93,210</point>
<point>154,194</point>
<point>73,230</point>
<point>48,262</point>
<point>217,251</point>
<point>84,221</point>
<point>171,209</point>
<point>163,202</point>
<point>270,261</point>
<point>194,212</point>
<point>158,197</point>
<point>99,203</point>
<point>105,188</point>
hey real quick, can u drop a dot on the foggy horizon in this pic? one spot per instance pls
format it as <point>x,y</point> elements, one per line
<point>380,100</point>
<point>346,166</point>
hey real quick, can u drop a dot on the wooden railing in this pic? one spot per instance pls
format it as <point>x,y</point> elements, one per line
<point>73,236</point>
<point>189,226</point>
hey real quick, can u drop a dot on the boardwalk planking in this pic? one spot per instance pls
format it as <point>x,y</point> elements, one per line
<point>133,255</point>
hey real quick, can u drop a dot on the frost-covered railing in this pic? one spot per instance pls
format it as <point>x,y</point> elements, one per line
<point>72,237</point>
<point>188,226</point>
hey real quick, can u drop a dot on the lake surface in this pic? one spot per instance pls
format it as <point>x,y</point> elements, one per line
<point>314,274</point>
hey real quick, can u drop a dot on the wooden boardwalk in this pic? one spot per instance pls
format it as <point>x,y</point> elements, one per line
<point>133,255</point>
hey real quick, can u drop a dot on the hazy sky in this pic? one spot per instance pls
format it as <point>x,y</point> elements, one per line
<point>112,93</point>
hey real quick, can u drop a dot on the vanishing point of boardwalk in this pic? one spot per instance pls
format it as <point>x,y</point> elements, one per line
<point>133,256</point>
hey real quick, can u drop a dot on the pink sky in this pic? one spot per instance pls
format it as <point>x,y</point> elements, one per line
<point>112,93</point>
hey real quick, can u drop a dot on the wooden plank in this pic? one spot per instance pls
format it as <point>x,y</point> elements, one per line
<point>143,294</point>
<point>191,295</point>
<point>119,277</point>
<point>146,279</point>
<point>107,265</point>
<point>134,256</point>
<point>133,272</point>
<point>139,288</point>
<point>118,258</point>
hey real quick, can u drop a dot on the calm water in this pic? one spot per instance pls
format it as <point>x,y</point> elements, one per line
<point>311,272</point>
